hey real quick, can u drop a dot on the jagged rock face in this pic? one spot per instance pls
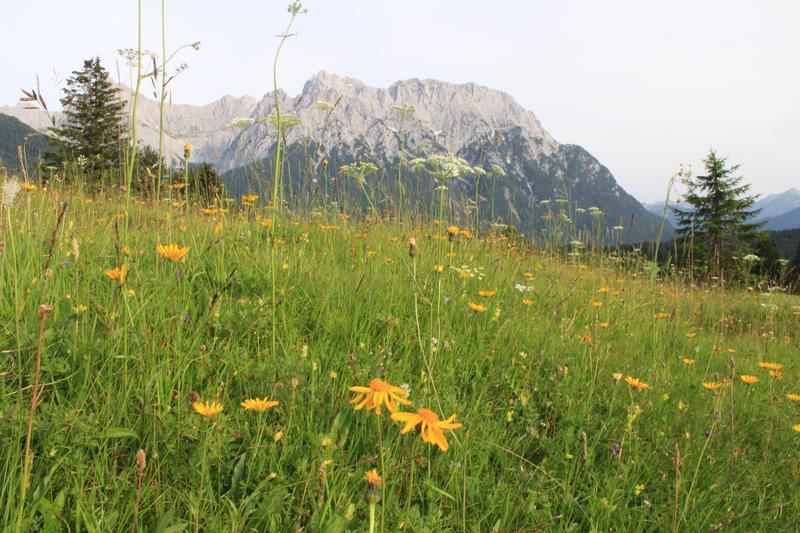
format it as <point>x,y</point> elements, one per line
<point>479,124</point>
<point>482,125</point>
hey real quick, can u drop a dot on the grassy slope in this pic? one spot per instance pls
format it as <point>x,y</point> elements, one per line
<point>542,415</point>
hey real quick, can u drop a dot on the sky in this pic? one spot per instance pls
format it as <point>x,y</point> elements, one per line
<point>644,86</point>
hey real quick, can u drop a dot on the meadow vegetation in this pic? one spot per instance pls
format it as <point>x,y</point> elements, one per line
<point>175,360</point>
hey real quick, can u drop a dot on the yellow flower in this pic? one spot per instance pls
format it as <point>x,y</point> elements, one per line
<point>597,305</point>
<point>210,211</point>
<point>793,397</point>
<point>713,385</point>
<point>477,308</point>
<point>28,186</point>
<point>748,379</point>
<point>177,186</point>
<point>604,325</point>
<point>688,362</point>
<point>467,234</point>
<point>438,268</point>
<point>659,316</point>
<point>487,294</point>
<point>117,274</point>
<point>250,198</point>
<point>777,374</point>
<point>378,392</point>
<point>452,230</point>
<point>187,150</point>
<point>430,426</point>
<point>690,334</point>
<point>525,301</point>
<point>332,374</point>
<point>259,404</point>
<point>603,290</point>
<point>771,366</point>
<point>82,308</point>
<point>636,383</point>
<point>616,376</point>
<point>208,408</point>
<point>372,478</point>
<point>172,252</point>
<point>277,436</point>
<point>796,427</point>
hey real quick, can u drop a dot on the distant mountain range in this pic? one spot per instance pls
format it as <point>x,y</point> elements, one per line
<point>14,134</point>
<point>780,211</point>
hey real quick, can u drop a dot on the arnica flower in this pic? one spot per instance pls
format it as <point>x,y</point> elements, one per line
<point>250,198</point>
<point>438,268</point>
<point>796,427</point>
<point>748,379</point>
<point>793,397</point>
<point>430,426</point>
<point>635,383</point>
<point>689,362</point>
<point>452,232</point>
<point>117,274</point>
<point>467,234</point>
<point>604,325</point>
<point>171,252</point>
<point>660,316</point>
<point>603,290</point>
<point>378,392</point>
<point>373,478</point>
<point>477,308</point>
<point>771,366</point>
<point>187,150</point>
<point>28,186</point>
<point>259,405</point>
<point>486,294</point>
<point>208,408</point>
<point>525,301</point>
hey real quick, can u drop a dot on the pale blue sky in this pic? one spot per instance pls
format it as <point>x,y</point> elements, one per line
<point>642,85</point>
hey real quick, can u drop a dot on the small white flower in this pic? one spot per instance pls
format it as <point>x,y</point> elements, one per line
<point>751,258</point>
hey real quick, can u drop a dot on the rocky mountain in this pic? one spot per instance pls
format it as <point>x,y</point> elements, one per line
<point>788,220</point>
<point>341,120</point>
<point>775,205</point>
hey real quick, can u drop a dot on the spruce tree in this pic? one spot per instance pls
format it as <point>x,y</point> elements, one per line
<point>719,216</point>
<point>93,132</point>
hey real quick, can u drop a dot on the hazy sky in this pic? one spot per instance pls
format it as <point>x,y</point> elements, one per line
<point>643,85</point>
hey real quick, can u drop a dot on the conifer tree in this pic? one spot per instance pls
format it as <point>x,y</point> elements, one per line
<point>719,216</point>
<point>93,132</point>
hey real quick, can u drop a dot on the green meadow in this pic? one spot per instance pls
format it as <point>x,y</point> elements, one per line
<point>592,395</point>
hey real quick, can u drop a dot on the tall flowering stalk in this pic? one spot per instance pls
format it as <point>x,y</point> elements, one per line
<point>295,8</point>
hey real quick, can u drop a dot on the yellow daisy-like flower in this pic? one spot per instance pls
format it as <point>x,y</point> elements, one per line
<point>28,186</point>
<point>176,186</point>
<point>171,252</point>
<point>604,325</point>
<point>259,405</point>
<point>452,231</point>
<point>117,274</point>
<point>373,478</point>
<point>250,198</point>
<point>467,234</point>
<point>616,376</point>
<point>603,290</point>
<point>208,408</point>
<point>597,305</point>
<point>527,302</point>
<point>796,427</point>
<point>771,366</point>
<point>376,393</point>
<point>438,268</point>
<point>776,374</point>
<point>793,397</point>
<point>477,308</point>
<point>689,362</point>
<point>690,334</point>
<point>748,379</point>
<point>487,294</point>
<point>713,385</point>
<point>210,211</point>
<point>430,426</point>
<point>660,316</point>
<point>635,383</point>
